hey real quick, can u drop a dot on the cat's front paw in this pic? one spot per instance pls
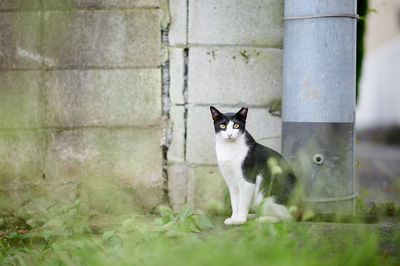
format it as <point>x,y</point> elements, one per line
<point>232,221</point>
<point>228,221</point>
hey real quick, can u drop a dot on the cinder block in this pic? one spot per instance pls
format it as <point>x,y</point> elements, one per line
<point>258,22</point>
<point>25,190</point>
<point>129,38</point>
<point>103,97</point>
<point>177,146</point>
<point>178,22</point>
<point>200,140</point>
<point>20,40</point>
<point>234,75</point>
<point>206,189</point>
<point>265,129</point>
<point>20,99</point>
<point>177,75</point>
<point>20,198</point>
<point>41,203</point>
<point>99,3</point>
<point>21,156</point>
<point>16,4</point>
<point>119,169</point>
<point>177,185</point>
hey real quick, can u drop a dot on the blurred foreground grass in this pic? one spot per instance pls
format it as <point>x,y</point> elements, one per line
<point>187,238</point>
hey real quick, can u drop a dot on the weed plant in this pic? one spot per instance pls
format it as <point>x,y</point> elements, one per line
<point>188,238</point>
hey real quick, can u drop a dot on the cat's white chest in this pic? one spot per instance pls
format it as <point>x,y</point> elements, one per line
<point>230,156</point>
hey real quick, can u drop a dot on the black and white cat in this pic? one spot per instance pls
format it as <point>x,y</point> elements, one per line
<point>257,177</point>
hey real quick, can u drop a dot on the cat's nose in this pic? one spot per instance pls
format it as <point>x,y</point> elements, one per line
<point>229,135</point>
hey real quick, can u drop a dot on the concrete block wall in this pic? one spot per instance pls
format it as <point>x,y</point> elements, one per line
<point>228,54</point>
<point>80,105</point>
<point>108,101</point>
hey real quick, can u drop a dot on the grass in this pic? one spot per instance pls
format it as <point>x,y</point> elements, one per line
<point>187,238</point>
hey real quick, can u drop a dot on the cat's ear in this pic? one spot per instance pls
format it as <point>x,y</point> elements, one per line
<point>216,115</point>
<point>242,113</point>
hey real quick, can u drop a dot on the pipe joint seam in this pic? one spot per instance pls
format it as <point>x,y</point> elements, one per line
<point>335,15</point>
<point>342,198</point>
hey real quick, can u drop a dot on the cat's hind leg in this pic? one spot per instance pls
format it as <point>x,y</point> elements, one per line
<point>273,212</point>
<point>270,219</point>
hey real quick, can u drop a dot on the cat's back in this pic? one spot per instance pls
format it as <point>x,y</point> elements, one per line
<point>259,158</point>
<point>258,153</point>
<point>266,162</point>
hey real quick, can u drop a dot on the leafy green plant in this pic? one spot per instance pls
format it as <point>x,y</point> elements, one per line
<point>184,220</point>
<point>172,239</point>
<point>384,209</point>
<point>376,209</point>
<point>135,243</point>
<point>17,247</point>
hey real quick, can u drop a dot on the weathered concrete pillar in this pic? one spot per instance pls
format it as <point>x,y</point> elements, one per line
<point>319,99</point>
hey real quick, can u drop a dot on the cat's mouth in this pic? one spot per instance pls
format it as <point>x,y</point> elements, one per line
<point>230,138</point>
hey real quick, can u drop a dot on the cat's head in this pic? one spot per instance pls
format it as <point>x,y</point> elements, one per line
<point>229,126</point>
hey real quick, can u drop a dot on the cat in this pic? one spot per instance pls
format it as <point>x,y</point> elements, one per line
<point>258,177</point>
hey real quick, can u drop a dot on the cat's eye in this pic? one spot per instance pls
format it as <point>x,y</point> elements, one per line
<point>236,125</point>
<point>222,126</point>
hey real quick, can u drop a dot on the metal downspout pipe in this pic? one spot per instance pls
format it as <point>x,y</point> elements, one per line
<point>318,100</point>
